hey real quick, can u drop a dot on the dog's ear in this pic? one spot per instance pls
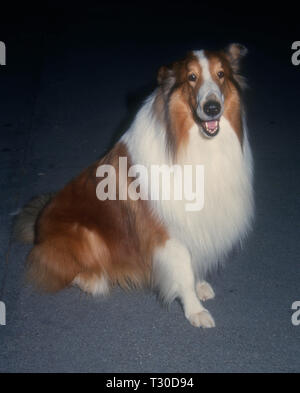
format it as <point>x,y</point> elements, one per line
<point>166,77</point>
<point>235,52</point>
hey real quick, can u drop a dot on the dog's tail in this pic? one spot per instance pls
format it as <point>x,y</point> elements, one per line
<point>24,226</point>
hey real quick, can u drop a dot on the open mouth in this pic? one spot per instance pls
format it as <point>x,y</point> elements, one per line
<point>210,128</point>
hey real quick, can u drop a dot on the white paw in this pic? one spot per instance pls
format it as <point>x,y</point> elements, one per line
<point>202,319</point>
<point>92,284</point>
<point>204,290</point>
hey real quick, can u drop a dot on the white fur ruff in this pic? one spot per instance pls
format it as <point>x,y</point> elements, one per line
<point>208,234</point>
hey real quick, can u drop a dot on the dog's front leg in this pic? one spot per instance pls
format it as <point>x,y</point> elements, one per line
<point>174,277</point>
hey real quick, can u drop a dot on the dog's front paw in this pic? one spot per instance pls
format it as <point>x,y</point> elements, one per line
<point>202,319</point>
<point>204,290</point>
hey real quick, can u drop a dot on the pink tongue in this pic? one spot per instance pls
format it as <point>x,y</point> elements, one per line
<point>211,124</point>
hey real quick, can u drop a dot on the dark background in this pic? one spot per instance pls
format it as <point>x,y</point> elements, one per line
<point>75,75</point>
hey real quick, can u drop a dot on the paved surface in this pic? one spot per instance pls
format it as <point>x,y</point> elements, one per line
<point>65,95</point>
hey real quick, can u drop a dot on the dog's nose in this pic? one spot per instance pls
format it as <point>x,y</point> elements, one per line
<point>212,108</point>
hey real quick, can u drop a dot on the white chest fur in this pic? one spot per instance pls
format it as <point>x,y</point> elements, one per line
<point>228,201</point>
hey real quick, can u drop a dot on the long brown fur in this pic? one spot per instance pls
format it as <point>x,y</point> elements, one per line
<point>77,234</point>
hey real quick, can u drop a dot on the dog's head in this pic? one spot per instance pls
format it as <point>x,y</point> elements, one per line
<point>205,83</point>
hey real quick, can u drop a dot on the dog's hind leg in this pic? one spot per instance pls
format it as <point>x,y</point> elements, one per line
<point>174,277</point>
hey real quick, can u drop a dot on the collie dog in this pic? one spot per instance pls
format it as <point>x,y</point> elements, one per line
<point>194,117</point>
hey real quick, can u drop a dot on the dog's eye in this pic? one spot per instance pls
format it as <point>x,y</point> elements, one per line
<point>192,77</point>
<point>220,74</point>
